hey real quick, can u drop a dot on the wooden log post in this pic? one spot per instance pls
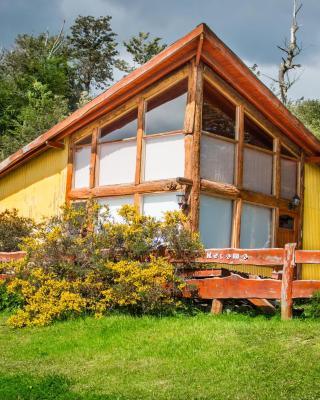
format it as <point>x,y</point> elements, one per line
<point>195,161</point>
<point>287,281</point>
<point>216,306</point>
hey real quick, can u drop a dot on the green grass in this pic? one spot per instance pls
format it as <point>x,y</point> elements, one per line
<point>202,357</point>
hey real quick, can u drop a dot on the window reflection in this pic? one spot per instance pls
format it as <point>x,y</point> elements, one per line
<point>256,136</point>
<point>165,113</point>
<point>123,128</point>
<point>218,115</point>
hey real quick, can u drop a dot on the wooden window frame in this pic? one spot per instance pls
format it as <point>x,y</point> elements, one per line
<point>236,191</point>
<point>192,184</point>
<point>138,187</point>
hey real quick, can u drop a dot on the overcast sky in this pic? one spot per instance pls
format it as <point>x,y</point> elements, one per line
<point>251,28</point>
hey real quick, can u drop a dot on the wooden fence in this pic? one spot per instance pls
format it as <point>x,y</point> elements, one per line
<point>205,284</point>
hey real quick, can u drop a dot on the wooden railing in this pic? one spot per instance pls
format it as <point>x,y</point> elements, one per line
<point>11,256</point>
<point>208,286</point>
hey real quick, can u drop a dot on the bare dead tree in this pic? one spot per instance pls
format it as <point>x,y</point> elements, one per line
<point>57,42</point>
<point>291,50</point>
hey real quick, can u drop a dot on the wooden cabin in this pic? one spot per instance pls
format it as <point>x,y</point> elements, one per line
<point>195,122</point>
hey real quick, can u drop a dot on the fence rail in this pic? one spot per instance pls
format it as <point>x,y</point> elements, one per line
<point>11,256</point>
<point>236,287</point>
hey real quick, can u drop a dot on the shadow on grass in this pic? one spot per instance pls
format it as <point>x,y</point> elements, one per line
<point>27,387</point>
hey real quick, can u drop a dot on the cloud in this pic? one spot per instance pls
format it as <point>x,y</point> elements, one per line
<point>251,28</point>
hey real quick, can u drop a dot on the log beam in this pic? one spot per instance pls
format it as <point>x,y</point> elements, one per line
<point>287,280</point>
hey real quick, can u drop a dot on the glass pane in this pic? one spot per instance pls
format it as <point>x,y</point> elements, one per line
<point>215,222</point>
<point>115,203</point>
<point>117,162</point>
<point>218,114</point>
<point>164,157</point>
<point>286,152</point>
<point>156,205</point>
<point>123,128</point>
<point>165,113</point>
<point>86,140</point>
<point>257,171</point>
<point>81,175</point>
<point>288,178</point>
<point>286,222</point>
<point>256,227</point>
<point>217,159</point>
<point>256,136</point>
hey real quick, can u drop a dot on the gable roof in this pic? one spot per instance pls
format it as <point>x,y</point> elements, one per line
<point>200,42</point>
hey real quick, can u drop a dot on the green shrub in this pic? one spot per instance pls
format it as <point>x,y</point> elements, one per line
<point>9,300</point>
<point>13,229</point>
<point>312,307</point>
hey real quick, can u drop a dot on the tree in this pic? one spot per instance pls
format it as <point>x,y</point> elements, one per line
<point>308,111</point>
<point>93,50</point>
<point>141,49</point>
<point>42,58</point>
<point>43,110</point>
<point>291,51</point>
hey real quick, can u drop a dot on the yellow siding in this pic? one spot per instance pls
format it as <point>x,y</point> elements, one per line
<point>249,269</point>
<point>311,223</point>
<point>38,187</point>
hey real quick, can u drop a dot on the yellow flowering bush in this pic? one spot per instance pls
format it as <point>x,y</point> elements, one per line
<point>142,287</point>
<point>84,262</point>
<point>134,286</point>
<point>46,298</point>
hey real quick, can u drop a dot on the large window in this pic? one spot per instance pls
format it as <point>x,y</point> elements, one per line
<point>81,160</point>
<point>215,221</point>
<point>256,227</point>
<point>163,147</point>
<point>217,159</point>
<point>165,113</point>
<point>218,114</point>
<point>218,137</point>
<point>114,204</point>
<point>164,157</point>
<point>117,151</point>
<point>257,170</point>
<point>155,205</point>
<point>257,158</point>
<point>289,172</point>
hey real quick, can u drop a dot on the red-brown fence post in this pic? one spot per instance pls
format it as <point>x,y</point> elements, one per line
<point>287,279</point>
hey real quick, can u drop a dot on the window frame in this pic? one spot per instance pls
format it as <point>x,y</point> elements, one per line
<point>74,146</point>
<point>192,117</point>
<point>273,221</point>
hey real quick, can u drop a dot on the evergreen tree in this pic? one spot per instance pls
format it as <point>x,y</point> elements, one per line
<point>93,50</point>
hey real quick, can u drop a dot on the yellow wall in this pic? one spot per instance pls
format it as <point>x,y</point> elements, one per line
<point>311,218</point>
<point>37,188</point>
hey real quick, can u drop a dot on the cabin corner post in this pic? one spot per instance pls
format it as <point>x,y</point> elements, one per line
<point>287,281</point>
<point>195,157</point>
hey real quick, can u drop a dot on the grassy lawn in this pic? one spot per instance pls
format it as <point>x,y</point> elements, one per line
<point>202,357</point>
